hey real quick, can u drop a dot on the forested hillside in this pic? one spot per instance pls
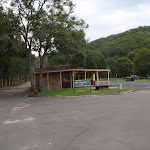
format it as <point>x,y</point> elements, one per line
<point>124,48</point>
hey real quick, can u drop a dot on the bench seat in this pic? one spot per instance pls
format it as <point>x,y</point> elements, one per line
<point>101,86</point>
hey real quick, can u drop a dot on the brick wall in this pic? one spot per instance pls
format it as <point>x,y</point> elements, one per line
<point>54,81</point>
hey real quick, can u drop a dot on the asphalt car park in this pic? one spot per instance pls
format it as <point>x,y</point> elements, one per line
<point>108,122</point>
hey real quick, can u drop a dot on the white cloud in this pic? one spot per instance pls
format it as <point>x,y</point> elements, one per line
<point>112,16</point>
<point>85,8</point>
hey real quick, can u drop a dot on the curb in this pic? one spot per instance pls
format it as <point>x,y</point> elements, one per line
<point>128,91</point>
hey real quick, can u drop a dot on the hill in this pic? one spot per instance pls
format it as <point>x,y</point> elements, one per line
<point>120,45</point>
<point>126,44</point>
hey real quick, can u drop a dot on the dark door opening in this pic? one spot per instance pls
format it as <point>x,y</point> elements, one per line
<point>66,80</point>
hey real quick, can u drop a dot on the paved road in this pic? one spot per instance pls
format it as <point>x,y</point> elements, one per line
<point>20,90</point>
<point>116,122</point>
<point>133,85</point>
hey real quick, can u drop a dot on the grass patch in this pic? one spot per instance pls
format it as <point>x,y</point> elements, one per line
<point>79,92</point>
<point>142,80</point>
<point>126,90</point>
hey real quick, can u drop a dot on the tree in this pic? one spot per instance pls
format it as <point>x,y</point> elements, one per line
<point>111,63</point>
<point>71,43</point>
<point>123,67</point>
<point>12,52</point>
<point>142,62</point>
<point>56,59</point>
<point>122,44</point>
<point>57,31</point>
<point>132,54</point>
<point>95,60</point>
<point>40,21</point>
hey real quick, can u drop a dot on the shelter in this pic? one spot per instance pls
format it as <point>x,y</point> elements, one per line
<point>61,77</point>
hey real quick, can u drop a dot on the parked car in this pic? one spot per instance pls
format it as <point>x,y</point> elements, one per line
<point>135,77</point>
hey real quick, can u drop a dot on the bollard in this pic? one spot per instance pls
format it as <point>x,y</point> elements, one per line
<point>120,87</point>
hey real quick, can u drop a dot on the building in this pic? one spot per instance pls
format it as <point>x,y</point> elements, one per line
<point>61,77</point>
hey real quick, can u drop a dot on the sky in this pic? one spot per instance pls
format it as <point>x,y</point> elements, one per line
<point>108,17</point>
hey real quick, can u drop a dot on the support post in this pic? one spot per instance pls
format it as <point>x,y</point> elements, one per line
<point>97,78</point>
<point>108,79</point>
<point>74,88</point>
<point>60,81</point>
<point>88,76</point>
<point>47,81</point>
<point>93,78</point>
<point>85,75</point>
<point>73,78</point>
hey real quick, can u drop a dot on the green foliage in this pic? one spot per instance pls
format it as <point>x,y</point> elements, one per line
<point>12,50</point>
<point>71,44</point>
<point>142,62</point>
<point>123,67</point>
<point>126,44</point>
<point>95,60</point>
<point>40,23</point>
<point>132,54</point>
<point>56,59</point>
<point>121,44</point>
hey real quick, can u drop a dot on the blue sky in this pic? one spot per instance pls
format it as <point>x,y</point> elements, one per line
<point>107,17</point>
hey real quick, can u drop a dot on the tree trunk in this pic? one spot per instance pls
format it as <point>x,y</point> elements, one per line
<point>9,81</point>
<point>40,89</point>
<point>13,80</point>
<point>6,82</point>
<point>17,79</point>
<point>31,73</point>
<point>21,79</point>
<point>2,83</point>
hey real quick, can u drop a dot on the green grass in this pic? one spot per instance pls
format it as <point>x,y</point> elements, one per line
<point>112,79</point>
<point>142,80</point>
<point>79,92</point>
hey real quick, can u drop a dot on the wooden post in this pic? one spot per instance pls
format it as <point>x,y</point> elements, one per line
<point>97,78</point>
<point>85,75</point>
<point>73,78</point>
<point>88,76</point>
<point>93,78</point>
<point>47,81</point>
<point>60,81</point>
<point>108,79</point>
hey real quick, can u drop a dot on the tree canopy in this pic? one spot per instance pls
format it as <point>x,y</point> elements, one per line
<point>126,44</point>
<point>12,50</point>
<point>142,62</point>
<point>42,24</point>
<point>123,67</point>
